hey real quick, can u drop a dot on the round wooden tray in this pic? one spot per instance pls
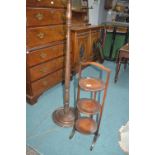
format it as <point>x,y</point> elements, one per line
<point>88,106</point>
<point>91,84</point>
<point>86,125</point>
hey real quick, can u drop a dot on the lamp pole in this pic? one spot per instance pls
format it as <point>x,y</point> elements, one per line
<point>65,116</point>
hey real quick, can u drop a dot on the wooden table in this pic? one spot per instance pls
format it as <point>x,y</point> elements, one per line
<point>123,55</point>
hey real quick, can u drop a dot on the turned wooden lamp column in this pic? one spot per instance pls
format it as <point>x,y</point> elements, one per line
<point>64,116</point>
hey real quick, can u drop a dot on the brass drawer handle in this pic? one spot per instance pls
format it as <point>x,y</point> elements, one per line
<point>45,83</point>
<point>39,16</point>
<point>43,70</point>
<point>43,55</point>
<point>40,35</point>
<point>52,2</point>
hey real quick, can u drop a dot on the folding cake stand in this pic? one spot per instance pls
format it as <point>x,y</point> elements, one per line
<point>90,107</point>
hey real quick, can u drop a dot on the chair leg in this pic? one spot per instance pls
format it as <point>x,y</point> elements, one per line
<point>117,71</point>
<point>91,116</point>
<point>96,136</point>
<point>125,64</point>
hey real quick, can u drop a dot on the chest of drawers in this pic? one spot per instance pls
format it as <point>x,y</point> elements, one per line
<point>45,42</point>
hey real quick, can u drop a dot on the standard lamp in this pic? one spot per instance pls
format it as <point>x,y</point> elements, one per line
<point>65,116</point>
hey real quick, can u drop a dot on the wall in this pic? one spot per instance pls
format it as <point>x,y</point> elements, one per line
<point>98,14</point>
<point>102,12</point>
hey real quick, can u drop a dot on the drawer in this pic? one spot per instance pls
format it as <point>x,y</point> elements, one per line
<point>45,16</point>
<point>44,35</point>
<point>46,68</point>
<point>41,85</point>
<point>45,54</point>
<point>47,3</point>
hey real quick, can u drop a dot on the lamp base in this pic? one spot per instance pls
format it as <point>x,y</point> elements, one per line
<point>62,119</point>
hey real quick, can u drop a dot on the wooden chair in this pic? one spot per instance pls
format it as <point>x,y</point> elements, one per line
<point>122,56</point>
<point>100,45</point>
<point>86,108</point>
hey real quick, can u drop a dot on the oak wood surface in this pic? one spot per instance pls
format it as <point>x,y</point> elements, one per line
<point>88,106</point>
<point>94,38</point>
<point>45,54</point>
<point>43,84</point>
<point>45,16</point>
<point>91,84</point>
<point>81,42</point>
<point>44,35</point>
<point>47,3</point>
<point>46,68</point>
<point>86,125</point>
<point>84,37</point>
<point>46,44</point>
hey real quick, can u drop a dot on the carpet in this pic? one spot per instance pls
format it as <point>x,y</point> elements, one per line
<point>31,151</point>
<point>49,139</point>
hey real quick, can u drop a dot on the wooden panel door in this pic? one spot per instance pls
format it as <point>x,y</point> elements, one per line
<point>82,48</point>
<point>94,38</point>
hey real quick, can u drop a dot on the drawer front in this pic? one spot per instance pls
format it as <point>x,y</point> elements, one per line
<point>44,35</point>
<point>45,54</point>
<point>40,16</point>
<point>41,85</point>
<point>47,3</point>
<point>46,68</point>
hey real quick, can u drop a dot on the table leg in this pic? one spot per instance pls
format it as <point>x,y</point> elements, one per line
<point>125,64</point>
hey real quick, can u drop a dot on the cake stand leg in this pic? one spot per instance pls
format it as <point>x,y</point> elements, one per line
<point>72,133</point>
<point>94,141</point>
